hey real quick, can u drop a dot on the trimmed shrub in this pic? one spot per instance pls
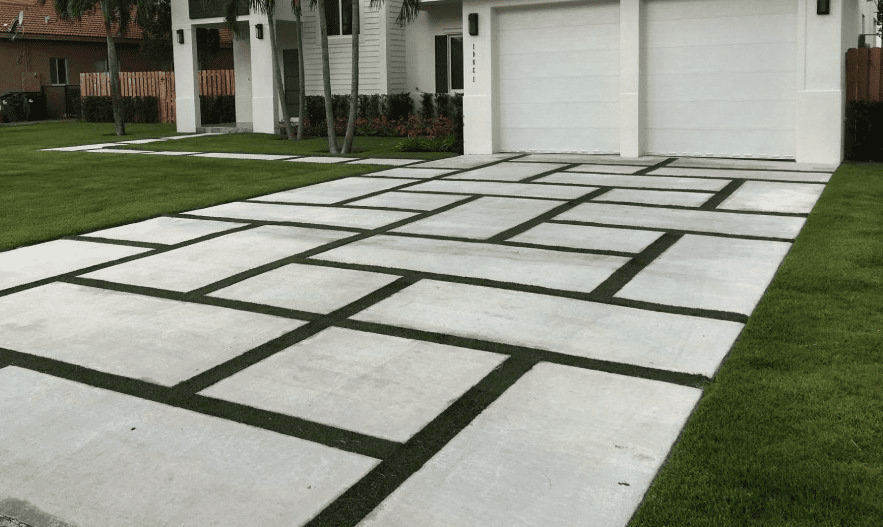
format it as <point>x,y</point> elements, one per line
<point>135,109</point>
<point>864,131</point>
<point>398,106</point>
<point>427,106</point>
<point>217,110</point>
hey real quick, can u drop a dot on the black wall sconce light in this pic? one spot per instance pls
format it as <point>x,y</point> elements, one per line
<point>473,24</point>
<point>823,7</point>
<point>180,34</point>
<point>259,31</point>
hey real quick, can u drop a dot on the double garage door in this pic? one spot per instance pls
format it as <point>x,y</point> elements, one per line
<point>718,77</point>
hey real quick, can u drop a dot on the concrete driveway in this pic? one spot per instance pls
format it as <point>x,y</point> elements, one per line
<point>496,340</point>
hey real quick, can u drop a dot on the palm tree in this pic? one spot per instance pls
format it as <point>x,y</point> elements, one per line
<point>296,5</point>
<point>114,12</point>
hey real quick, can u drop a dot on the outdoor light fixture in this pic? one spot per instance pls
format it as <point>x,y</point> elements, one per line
<point>259,31</point>
<point>180,33</point>
<point>473,24</point>
<point>823,7</point>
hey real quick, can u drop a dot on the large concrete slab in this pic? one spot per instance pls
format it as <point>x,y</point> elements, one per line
<point>588,237</point>
<point>153,339</point>
<point>592,159</point>
<point>775,175</point>
<point>562,447</point>
<point>251,157</point>
<point>322,159</point>
<point>751,164</point>
<point>480,219</point>
<point>171,153</point>
<point>651,182</point>
<point>334,191</point>
<point>518,190</point>
<point>116,151</point>
<point>306,287</point>
<point>553,269</point>
<point>79,148</point>
<point>165,230</point>
<point>203,263</point>
<point>574,327</point>
<point>507,171</point>
<point>36,262</point>
<point>409,200</point>
<point>655,197</point>
<point>607,169</point>
<point>709,273</point>
<point>769,196</point>
<point>409,172</point>
<point>85,456</point>
<point>466,162</point>
<point>688,220</point>
<point>385,161</point>
<point>379,385</point>
<point>331,216</point>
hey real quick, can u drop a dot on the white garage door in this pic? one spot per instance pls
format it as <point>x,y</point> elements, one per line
<point>558,78</point>
<point>720,77</point>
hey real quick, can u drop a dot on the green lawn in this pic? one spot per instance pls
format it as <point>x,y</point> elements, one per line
<point>790,433</point>
<point>50,194</point>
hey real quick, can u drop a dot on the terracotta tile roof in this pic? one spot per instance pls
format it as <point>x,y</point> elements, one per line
<point>41,21</point>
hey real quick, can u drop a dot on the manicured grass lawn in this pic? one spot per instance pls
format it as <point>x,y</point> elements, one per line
<point>50,194</point>
<point>791,430</point>
<point>384,147</point>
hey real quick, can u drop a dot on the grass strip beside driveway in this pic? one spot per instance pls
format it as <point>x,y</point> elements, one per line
<point>46,195</point>
<point>789,432</point>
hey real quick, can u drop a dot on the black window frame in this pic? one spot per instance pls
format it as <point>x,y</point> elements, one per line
<point>448,78</point>
<point>54,77</point>
<point>339,16</point>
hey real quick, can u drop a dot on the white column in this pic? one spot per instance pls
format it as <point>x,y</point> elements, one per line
<point>631,126</point>
<point>242,73</point>
<point>265,112</point>
<point>187,115</point>
<point>478,91</point>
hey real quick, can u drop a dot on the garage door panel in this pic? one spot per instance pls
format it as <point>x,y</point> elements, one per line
<point>595,37</point>
<point>560,17</point>
<point>762,144</point>
<point>569,89</point>
<point>766,29</point>
<point>723,58</point>
<point>550,140</point>
<point>735,88</point>
<point>559,114</point>
<point>593,64</point>
<point>702,10</point>
<point>713,115</point>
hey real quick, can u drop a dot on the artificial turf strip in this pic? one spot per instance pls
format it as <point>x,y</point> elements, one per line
<point>51,194</point>
<point>789,432</point>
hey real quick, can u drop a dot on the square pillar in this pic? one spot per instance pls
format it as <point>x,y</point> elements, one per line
<point>264,108</point>
<point>631,124</point>
<point>242,74</point>
<point>187,116</point>
<point>479,112</point>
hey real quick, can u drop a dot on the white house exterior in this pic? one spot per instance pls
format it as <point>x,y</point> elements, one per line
<point>753,78</point>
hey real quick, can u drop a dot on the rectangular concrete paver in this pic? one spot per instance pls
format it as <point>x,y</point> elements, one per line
<point>752,164</point>
<point>655,197</point>
<point>250,157</point>
<point>588,237</point>
<point>333,191</point>
<point>306,287</point>
<point>607,169</point>
<point>522,265</point>
<point>592,159</point>
<point>408,200</point>
<point>653,182</point>
<point>203,263</point>
<point>331,216</point>
<point>116,151</point>
<point>379,385</point>
<point>321,159</point>
<point>384,161</point>
<point>562,447</point>
<point>465,162</point>
<point>480,219</point>
<point>44,260</point>
<point>165,230</point>
<point>153,339</point>
<point>575,327</point>
<point>689,220</point>
<point>808,177</point>
<point>78,455</point>
<point>518,190</point>
<point>707,272</point>
<point>507,171</point>
<point>770,196</point>
<point>411,172</point>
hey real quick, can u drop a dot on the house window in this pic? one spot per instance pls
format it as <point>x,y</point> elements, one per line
<point>449,63</point>
<point>339,14</point>
<point>57,71</point>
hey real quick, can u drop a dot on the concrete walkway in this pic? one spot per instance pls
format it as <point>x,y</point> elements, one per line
<point>478,341</point>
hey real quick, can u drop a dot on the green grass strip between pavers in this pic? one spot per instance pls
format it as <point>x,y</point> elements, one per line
<point>790,433</point>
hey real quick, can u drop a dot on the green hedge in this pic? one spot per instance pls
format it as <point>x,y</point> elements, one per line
<point>864,131</point>
<point>217,110</point>
<point>135,109</point>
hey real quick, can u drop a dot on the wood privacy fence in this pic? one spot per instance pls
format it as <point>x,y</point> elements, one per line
<point>159,84</point>
<point>864,74</point>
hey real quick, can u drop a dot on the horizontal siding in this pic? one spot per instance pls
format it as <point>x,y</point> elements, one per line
<point>396,64</point>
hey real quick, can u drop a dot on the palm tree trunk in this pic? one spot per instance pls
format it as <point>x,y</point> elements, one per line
<point>326,79</point>
<point>280,89</point>
<point>116,96</point>
<point>301,99</point>
<point>354,97</point>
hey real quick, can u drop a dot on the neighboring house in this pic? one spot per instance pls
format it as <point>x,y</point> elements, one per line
<point>869,30</point>
<point>749,78</point>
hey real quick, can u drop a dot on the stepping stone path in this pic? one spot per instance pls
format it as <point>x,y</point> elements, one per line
<point>482,340</point>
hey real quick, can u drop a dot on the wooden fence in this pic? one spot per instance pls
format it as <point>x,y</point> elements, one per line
<point>159,84</point>
<point>864,74</point>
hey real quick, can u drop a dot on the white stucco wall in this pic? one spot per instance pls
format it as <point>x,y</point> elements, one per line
<point>434,19</point>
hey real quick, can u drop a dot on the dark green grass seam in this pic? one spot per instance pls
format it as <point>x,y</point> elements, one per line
<point>721,195</point>
<point>260,223</point>
<point>549,172</point>
<point>113,241</point>
<point>675,231</point>
<point>624,274</point>
<point>556,248</point>
<point>284,424</point>
<point>546,216</point>
<point>359,500</point>
<point>646,170</point>
<point>489,194</point>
